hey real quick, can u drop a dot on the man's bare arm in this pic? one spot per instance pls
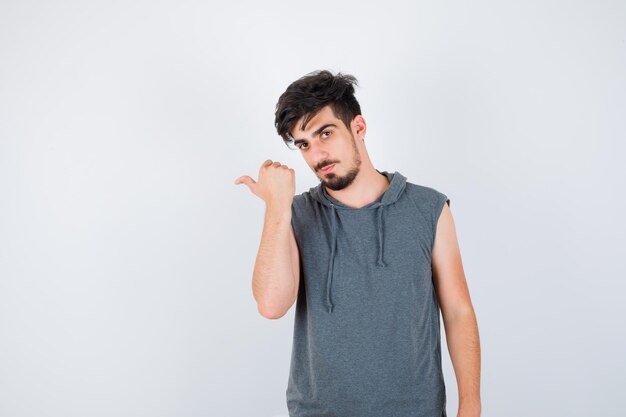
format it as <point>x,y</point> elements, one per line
<point>458,314</point>
<point>276,275</point>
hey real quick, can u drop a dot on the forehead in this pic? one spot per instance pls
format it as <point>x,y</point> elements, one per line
<point>325,115</point>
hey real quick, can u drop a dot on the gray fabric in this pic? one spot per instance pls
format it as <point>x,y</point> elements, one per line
<point>366,339</point>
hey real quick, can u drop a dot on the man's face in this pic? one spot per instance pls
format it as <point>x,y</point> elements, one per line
<point>326,142</point>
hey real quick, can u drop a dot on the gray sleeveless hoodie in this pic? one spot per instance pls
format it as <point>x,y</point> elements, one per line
<point>366,339</point>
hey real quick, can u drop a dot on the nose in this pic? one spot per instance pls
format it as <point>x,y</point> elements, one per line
<point>318,152</point>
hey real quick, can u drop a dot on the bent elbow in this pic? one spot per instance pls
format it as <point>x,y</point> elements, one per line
<point>269,313</point>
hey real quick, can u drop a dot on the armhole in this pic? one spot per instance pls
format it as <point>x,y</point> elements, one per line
<point>441,200</point>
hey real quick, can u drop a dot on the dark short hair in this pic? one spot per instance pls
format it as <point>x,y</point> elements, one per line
<point>312,92</point>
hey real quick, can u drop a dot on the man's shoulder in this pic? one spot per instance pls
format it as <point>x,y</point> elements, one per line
<point>303,196</point>
<point>303,200</point>
<point>421,192</point>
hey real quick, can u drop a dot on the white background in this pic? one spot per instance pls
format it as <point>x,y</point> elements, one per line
<point>126,250</point>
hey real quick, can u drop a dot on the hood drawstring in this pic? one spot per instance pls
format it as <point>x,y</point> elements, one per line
<point>380,235</point>
<point>333,247</point>
<point>396,187</point>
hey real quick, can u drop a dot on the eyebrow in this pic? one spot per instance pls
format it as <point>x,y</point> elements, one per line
<point>317,132</point>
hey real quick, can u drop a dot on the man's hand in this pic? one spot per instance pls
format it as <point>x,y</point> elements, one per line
<point>276,185</point>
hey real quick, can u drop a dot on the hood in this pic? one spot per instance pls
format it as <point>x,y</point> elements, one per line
<point>397,183</point>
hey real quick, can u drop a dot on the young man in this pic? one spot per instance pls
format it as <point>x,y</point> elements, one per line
<point>370,259</point>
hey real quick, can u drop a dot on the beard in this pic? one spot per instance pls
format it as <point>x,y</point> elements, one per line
<point>337,182</point>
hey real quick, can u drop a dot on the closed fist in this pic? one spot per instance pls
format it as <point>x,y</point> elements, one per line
<point>276,185</point>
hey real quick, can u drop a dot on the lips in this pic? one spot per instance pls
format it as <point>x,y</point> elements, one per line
<point>327,168</point>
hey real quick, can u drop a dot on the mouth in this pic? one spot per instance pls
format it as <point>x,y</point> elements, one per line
<point>328,168</point>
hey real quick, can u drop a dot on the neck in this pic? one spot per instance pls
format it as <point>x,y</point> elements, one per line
<point>368,185</point>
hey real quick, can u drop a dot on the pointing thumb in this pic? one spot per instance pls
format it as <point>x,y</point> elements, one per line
<point>245,180</point>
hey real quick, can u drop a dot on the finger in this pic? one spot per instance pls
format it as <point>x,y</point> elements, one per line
<point>244,179</point>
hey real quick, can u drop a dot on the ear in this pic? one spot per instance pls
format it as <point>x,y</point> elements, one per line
<point>359,126</point>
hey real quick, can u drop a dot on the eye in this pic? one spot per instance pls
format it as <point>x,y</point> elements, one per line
<point>328,131</point>
<point>301,144</point>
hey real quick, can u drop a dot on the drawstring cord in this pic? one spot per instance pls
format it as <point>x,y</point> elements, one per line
<point>333,248</point>
<point>380,235</point>
<point>329,278</point>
